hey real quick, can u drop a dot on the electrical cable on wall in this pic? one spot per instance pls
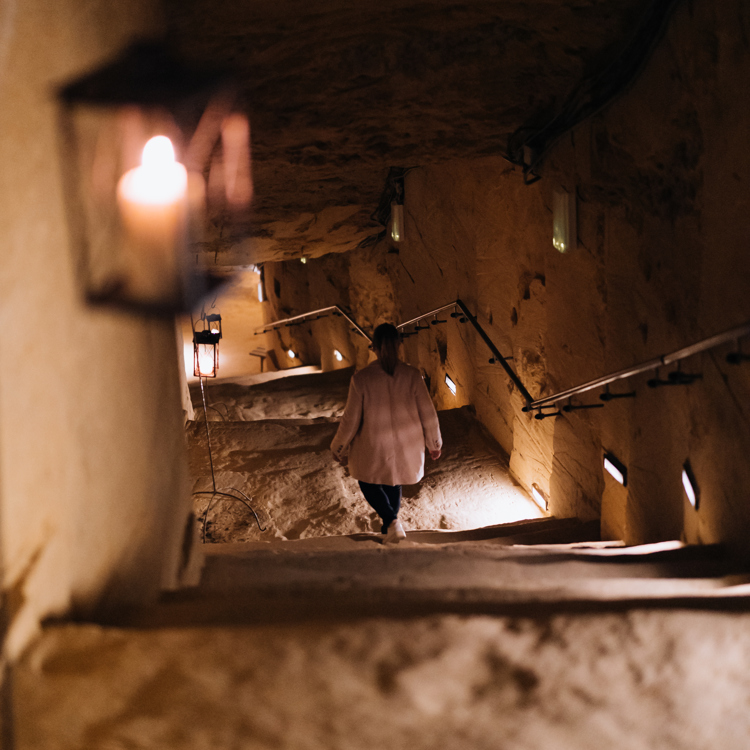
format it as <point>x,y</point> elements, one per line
<point>529,144</point>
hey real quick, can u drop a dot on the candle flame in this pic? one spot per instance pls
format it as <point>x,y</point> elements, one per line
<point>158,152</point>
<point>160,180</point>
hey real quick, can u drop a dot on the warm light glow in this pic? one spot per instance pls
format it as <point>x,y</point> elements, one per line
<point>206,362</point>
<point>159,181</point>
<point>338,355</point>
<point>291,354</point>
<point>303,260</point>
<point>451,385</point>
<point>260,292</point>
<point>539,498</point>
<point>616,472</point>
<point>214,330</point>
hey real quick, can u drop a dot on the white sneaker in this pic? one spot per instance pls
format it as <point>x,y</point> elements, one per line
<point>395,533</point>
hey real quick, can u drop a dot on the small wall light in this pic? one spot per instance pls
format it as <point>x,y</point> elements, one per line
<point>691,486</point>
<point>338,355</point>
<point>616,469</point>
<point>397,221</point>
<point>564,231</point>
<point>303,259</point>
<point>149,148</point>
<point>539,497</point>
<point>291,354</point>
<point>451,385</point>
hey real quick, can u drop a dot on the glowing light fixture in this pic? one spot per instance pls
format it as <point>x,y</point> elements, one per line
<point>451,385</point>
<point>205,354</point>
<point>564,231</point>
<point>691,486</point>
<point>303,259</point>
<point>616,469</point>
<point>214,324</point>
<point>291,354</point>
<point>338,355</point>
<point>539,497</point>
<point>151,151</point>
<point>397,221</point>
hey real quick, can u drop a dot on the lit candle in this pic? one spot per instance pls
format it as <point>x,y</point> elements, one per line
<point>206,361</point>
<point>153,207</point>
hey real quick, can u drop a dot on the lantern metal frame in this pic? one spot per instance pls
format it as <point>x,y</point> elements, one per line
<point>151,86</point>
<point>214,320</point>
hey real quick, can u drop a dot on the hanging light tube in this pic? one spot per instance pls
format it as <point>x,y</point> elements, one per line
<point>397,222</point>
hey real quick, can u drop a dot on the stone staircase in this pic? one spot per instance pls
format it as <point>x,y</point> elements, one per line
<point>443,642</point>
<point>504,636</point>
<point>271,441</point>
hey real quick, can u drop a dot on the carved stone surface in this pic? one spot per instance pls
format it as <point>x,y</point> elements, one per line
<point>338,92</point>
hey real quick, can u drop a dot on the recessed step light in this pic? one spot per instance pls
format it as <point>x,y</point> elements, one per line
<point>616,469</point>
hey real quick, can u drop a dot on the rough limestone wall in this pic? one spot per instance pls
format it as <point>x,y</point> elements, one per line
<point>663,184</point>
<point>94,491</point>
<point>471,233</point>
<point>358,281</point>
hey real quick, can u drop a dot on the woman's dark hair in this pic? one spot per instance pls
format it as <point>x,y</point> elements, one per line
<point>385,341</point>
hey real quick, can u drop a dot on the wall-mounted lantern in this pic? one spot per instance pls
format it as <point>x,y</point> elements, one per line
<point>150,149</point>
<point>205,354</point>
<point>397,221</point>
<point>564,230</point>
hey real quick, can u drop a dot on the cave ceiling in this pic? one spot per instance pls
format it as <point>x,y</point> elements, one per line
<point>338,93</point>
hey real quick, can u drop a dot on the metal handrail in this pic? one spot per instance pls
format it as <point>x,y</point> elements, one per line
<point>496,356</point>
<point>321,313</point>
<point>335,309</point>
<point>733,334</point>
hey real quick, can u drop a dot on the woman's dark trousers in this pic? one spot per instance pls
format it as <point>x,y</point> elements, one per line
<point>385,499</point>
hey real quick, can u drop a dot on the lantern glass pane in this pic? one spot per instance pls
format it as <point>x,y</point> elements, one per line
<point>135,210</point>
<point>206,364</point>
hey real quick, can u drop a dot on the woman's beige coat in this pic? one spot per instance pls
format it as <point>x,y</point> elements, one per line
<point>387,423</point>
